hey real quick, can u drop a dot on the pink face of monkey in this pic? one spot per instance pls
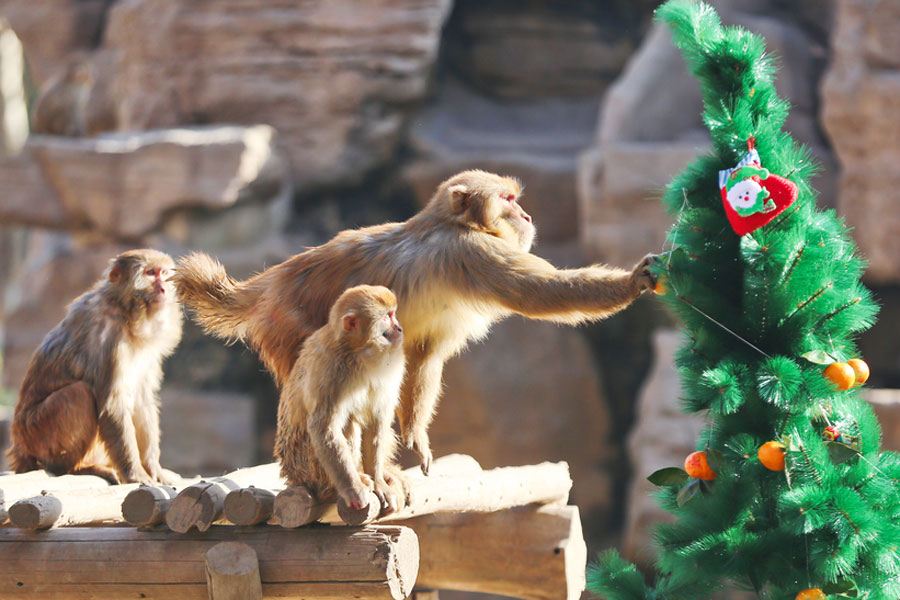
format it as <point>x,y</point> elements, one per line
<point>520,220</point>
<point>369,315</point>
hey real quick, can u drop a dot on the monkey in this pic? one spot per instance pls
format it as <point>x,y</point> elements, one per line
<point>337,403</point>
<point>458,266</point>
<point>88,402</point>
<point>61,106</point>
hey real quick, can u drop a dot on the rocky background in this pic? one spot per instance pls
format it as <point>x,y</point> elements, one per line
<point>253,129</point>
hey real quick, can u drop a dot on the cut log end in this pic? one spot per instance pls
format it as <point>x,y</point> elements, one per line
<point>366,514</point>
<point>296,506</point>
<point>199,506</point>
<point>403,562</point>
<point>147,505</point>
<point>249,506</point>
<point>40,512</point>
<point>232,572</point>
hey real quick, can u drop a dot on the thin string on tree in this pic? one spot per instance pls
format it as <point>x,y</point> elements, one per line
<point>678,295</point>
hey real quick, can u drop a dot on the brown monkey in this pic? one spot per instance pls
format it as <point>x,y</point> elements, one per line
<point>338,402</point>
<point>61,106</point>
<point>458,266</point>
<point>88,401</point>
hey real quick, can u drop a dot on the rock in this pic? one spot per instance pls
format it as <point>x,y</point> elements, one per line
<point>650,127</point>
<point>860,104</point>
<point>536,141</point>
<point>52,30</point>
<point>334,78</point>
<point>529,393</point>
<point>662,437</point>
<point>886,403</point>
<point>124,184</point>
<point>209,433</point>
<point>561,49</point>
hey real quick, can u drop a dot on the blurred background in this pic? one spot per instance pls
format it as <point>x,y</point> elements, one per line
<point>251,129</point>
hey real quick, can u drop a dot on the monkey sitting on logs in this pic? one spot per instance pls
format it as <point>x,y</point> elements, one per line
<point>457,267</point>
<point>338,402</point>
<point>88,403</point>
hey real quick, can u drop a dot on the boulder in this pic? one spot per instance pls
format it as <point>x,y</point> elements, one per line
<point>573,48</point>
<point>124,184</point>
<point>886,403</point>
<point>529,393</point>
<point>334,78</point>
<point>207,433</point>
<point>662,436</point>
<point>860,104</point>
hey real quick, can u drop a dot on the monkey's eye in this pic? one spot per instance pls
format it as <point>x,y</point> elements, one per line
<point>150,272</point>
<point>508,197</point>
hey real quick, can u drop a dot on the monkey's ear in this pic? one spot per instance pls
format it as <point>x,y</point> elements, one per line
<point>459,197</point>
<point>115,273</point>
<point>350,321</point>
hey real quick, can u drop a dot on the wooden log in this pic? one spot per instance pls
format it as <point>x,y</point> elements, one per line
<point>26,476</point>
<point>296,506</point>
<point>14,490</point>
<point>249,506</point>
<point>202,504</point>
<point>371,563</point>
<point>486,491</point>
<point>40,512</point>
<point>147,505</point>
<point>67,508</point>
<point>232,572</point>
<point>425,595</point>
<point>531,552</point>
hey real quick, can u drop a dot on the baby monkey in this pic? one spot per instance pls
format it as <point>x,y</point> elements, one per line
<point>88,403</point>
<point>338,403</point>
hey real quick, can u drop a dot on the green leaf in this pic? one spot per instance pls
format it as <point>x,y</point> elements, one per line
<point>687,492</point>
<point>840,453</point>
<point>668,476</point>
<point>844,587</point>
<point>819,357</point>
<point>715,460</point>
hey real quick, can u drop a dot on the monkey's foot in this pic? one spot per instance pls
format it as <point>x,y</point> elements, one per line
<point>167,477</point>
<point>395,479</point>
<point>418,442</point>
<point>367,481</point>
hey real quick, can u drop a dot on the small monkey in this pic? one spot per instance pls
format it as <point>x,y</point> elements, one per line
<point>458,266</point>
<point>337,403</point>
<point>61,106</point>
<point>88,403</point>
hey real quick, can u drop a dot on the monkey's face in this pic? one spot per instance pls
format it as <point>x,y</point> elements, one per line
<point>366,316</point>
<point>155,284</point>
<point>490,203</point>
<point>387,331</point>
<point>144,276</point>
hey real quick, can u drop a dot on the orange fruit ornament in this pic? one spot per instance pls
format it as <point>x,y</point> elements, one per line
<point>771,455</point>
<point>860,369</point>
<point>841,375</point>
<point>660,288</point>
<point>812,594</point>
<point>697,467</point>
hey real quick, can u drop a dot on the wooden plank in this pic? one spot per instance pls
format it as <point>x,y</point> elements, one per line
<point>116,562</point>
<point>232,572</point>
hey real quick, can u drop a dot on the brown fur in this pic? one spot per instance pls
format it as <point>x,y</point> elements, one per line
<point>88,401</point>
<point>458,266</point>
<point>338,402</point>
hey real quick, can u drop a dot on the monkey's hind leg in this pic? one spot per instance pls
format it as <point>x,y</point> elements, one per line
<point>57,432</point>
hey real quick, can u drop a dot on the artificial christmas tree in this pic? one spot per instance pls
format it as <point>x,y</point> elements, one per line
<point>801,502</point>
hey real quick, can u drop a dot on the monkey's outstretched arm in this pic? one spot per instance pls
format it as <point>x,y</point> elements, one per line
<point>531,286</point>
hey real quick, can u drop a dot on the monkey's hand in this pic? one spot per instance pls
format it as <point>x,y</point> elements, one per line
<point>165,476</point>
<point>355,497</point>
<point>396,479</point>
<point>367,481</point>
<point>642,277</point>
<point>417,441</point>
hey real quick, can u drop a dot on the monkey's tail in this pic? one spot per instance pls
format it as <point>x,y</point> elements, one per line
<point>221,305</point>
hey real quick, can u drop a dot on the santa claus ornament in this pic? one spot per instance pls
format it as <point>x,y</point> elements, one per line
<point>752,195</point>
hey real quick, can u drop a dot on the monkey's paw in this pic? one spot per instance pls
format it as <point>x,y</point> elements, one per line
<point>367,482</point>
<point>167,477</point>
<point>417,441</point>
<point>642,277</point>
<point>355,497</point>
<point>387,495</point>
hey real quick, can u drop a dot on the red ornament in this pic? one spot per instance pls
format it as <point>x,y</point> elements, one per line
<point>753,196</point>
<point>831,434</point>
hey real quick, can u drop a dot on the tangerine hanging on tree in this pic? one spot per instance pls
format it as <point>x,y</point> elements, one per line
<point>771,455</point>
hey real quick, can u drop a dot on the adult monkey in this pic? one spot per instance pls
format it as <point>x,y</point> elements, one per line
<point>457,267</point>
